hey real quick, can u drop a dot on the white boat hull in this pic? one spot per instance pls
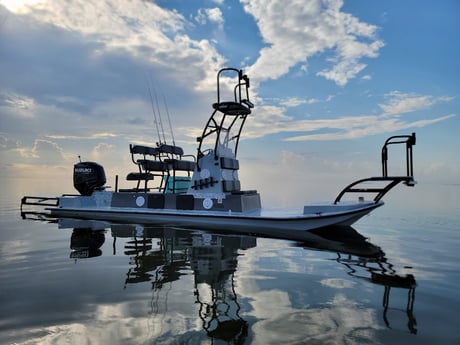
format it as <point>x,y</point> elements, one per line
<point>340,214</point>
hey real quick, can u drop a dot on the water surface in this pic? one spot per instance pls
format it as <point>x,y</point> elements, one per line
<point>71,282</point>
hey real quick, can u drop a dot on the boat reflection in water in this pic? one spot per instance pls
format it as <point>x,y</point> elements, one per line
<point>382,273</point>
<point>163,255</point>
<point>86,243</point>
<point>87,237</point>
<point>213,259</point>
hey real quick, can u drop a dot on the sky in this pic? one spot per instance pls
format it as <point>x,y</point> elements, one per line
<point>330,80</point>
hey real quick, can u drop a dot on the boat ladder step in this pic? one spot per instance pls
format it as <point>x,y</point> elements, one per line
<point>39,204</point>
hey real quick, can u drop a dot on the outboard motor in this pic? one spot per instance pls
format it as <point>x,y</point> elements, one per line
<point>88,176</point>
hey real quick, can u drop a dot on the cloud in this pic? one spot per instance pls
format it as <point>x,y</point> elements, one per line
<point>16,101</point>
<point>22,104</point>
<point>7,143</point>
<point>56,121</point>
<point>141,29</point>
<point>75,73</point>
<point>213,15</point>
<point>400,103</point>
<point>78,73</point>
<point>295,31</point>
<point>19,6</point>
<point>296,101</point>
<point>82,137</point>
<point>102,151</point>
<point>362,127</point>
<point>45,152</point>
<point>270,120</point>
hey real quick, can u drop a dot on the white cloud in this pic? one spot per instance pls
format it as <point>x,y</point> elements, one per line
<point>296,101</point>
<point>272,119</point>
<point>98,135</point>
<point>103,151</point>
<point>294,31</point>
<point>45,152</point>
<point>400,103</point>
<point>141,28</point>
<point>20,6</point>
<point>201,17</point>
<point>213,15</point>
<point>21,105</point>
<point>358,127</point>
<point>342,71</point>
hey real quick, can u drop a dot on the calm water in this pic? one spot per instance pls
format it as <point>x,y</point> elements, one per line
<point>63,283</point>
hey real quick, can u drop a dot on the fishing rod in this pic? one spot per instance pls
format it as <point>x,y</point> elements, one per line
<point>153,110</point>
<point>169,120</point>
<point>159,115</point>
<point>159,121</point>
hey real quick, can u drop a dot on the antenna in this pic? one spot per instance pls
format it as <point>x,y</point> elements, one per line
<point>169,120</point>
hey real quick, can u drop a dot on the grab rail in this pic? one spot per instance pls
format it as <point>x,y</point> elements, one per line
<point>389,181</point>
<point>410,141</point>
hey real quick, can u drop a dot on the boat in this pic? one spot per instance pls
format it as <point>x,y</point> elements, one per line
<point>204,191</point>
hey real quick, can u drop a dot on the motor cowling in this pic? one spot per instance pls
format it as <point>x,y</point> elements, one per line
<point>87,177</point>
